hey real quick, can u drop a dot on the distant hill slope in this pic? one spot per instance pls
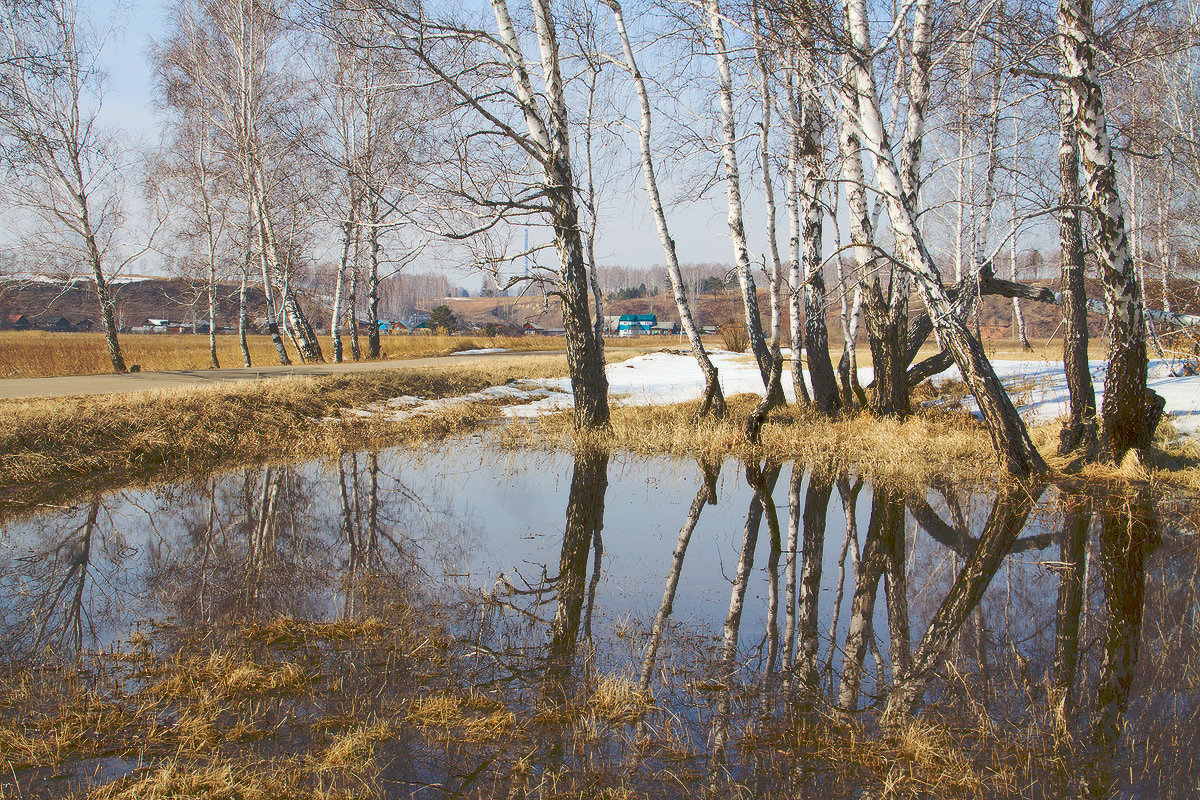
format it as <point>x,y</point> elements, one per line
<point>995,314</point>
<point>177,299</point>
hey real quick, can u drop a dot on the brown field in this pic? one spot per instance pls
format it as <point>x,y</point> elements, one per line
<point>37,354</point>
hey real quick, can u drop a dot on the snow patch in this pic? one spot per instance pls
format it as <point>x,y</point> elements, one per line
<point>1038,388</point>
<point>398,409</point>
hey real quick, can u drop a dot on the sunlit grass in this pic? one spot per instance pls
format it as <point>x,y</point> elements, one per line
<point>36,354</point>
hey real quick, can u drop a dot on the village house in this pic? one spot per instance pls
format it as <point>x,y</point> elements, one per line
<point>636,324</point>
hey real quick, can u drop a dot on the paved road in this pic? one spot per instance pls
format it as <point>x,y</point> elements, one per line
<point>79,385</point>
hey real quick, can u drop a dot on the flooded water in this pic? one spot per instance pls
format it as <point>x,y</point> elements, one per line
<point>603,624</point>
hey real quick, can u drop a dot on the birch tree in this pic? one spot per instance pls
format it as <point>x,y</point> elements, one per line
<point>1010,439</point>
<point>225,61</point>
<point>714,399</point>
<point>733,191</point>
<point>807,159</point>
<point>66,168</point>
<point>1130,410</point>
<point>1080,427</point>
<point>495,172</point>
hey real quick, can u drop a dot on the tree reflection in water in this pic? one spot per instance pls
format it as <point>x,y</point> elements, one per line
<point>1029,679</point>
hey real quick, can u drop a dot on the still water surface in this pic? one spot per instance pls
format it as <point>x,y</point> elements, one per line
<point>735,594</point>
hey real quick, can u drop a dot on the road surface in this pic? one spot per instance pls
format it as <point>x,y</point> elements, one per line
<point>81,385</point>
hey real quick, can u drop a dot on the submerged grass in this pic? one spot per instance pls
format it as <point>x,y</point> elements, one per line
<point>392,706</point>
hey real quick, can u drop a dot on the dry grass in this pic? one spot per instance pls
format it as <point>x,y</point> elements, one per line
<point>109,440</point>
<point>930,756</point>
<point>467,718</point>
<point>37,354</point>
<point>911,452</point>
<point>384,690</point>
<point>206,717</point>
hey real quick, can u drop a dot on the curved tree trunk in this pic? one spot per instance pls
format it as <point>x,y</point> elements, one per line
<point>714,399</point>
<point>1007,518</point>
<point>706,495</point>
<point>1014,449</point>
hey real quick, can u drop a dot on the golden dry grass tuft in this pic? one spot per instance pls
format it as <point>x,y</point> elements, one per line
<point>619,699</point>
<point>906,453</point>
<point>468,718</point>
<point>929,756</point>
<point>354,746</point>
<point>179,779</point>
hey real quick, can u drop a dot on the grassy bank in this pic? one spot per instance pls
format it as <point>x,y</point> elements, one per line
<point>59,445</point>
<point>909,452</point>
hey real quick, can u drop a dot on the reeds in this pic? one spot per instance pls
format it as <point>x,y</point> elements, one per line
<point>907,453</point>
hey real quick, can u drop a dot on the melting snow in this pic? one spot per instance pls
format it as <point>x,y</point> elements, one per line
<point>1037,387</point>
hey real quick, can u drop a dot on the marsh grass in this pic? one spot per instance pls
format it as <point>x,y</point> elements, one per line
<point>389,691</point>
<point>911,452</point>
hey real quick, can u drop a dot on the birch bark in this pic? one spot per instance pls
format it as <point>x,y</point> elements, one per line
<point>1130,410</point>
<point>1080,427</point>
<point>714,398</point>
<point>811,125</point>
<point>737,228</point>
<point>1010,439</point>
<point>584,360</point>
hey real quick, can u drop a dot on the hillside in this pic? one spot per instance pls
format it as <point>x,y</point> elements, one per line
<point>177,299</point>
<point>995,318</point>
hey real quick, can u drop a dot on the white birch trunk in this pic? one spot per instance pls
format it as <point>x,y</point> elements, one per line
<point>737,228</point>
<point>1130,411</point>
<point>795,273</point>
<point>1010,438</point>
<point>714,402</point>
